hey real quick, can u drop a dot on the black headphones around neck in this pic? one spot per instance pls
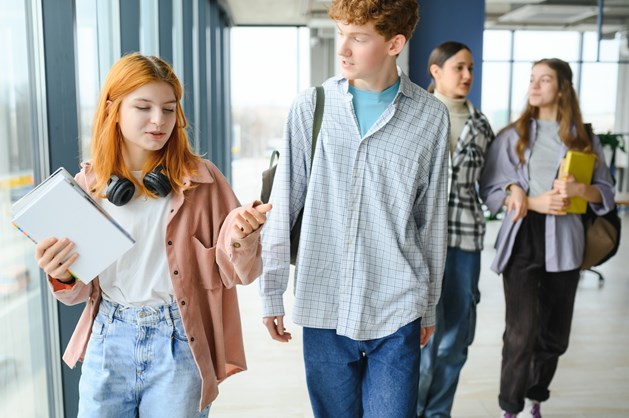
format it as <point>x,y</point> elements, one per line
<point>120,190</point>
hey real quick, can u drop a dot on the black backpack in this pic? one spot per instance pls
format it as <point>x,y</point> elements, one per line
<point>269,174</point>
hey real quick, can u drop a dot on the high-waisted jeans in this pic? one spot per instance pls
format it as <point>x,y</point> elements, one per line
<point>138,364</point>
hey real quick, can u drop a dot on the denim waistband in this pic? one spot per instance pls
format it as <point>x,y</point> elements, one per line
<point>140,315</point>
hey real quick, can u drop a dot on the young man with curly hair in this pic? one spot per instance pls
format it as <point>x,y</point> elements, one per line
<point>373,235</point>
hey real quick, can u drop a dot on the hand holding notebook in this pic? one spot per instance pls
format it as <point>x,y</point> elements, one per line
<point>581,166</point>
<point>58,207</point>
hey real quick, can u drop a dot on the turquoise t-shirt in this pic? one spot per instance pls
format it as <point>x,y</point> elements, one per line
<point>369,105</point>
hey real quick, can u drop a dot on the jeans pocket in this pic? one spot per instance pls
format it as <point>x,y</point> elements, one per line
<point>99,327</point>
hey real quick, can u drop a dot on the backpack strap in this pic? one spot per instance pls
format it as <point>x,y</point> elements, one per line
<point>318,117</point>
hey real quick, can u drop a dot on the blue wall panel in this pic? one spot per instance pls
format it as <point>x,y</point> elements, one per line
<point>448,20</point>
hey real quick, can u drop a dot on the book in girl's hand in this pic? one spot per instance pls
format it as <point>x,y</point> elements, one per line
<point>59,207</point>
<point>581,166</point>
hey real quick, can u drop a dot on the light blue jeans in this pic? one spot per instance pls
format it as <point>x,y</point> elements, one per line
<point>139,364</point>
<point>362,379</point>
<point>445,354</point>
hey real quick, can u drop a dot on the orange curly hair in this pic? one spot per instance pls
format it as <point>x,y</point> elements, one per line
<point>390,17</point>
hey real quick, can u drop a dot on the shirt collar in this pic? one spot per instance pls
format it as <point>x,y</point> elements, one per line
<point>203,174</point>
<point>405,83</point>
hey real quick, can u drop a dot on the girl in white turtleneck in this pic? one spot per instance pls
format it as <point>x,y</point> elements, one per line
<point>450,65</point>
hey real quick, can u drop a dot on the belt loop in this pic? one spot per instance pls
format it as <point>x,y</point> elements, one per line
<point>167,315</point>
<point>112,311</point>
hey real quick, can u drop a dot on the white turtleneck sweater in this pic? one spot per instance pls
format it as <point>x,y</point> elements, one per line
<point>457,108</point>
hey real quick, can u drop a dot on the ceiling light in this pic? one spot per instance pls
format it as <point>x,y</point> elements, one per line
<point>550,14</point>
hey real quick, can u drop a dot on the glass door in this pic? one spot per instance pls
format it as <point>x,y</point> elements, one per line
<point>24,375</point>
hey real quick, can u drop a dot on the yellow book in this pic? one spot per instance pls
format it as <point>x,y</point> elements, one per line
<point>581,166</point>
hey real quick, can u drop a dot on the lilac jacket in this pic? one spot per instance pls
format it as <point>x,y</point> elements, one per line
<point>205,262</point>
<point>565,238</point>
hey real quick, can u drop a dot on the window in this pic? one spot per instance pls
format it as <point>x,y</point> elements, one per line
<point>507,66</point>
<point>98,47</point>
<point>265,81</point>
<point>23,348</point>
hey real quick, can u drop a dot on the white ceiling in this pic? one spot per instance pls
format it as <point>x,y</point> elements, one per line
<point>508,14</point>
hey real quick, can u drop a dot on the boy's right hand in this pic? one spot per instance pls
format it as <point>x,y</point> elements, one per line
<point>275,326</point>
<point>50,254</point>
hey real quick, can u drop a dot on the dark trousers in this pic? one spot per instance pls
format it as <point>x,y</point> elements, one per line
<point>539,307</point>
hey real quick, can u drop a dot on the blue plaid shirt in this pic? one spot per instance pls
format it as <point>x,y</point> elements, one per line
<point>373,237</point>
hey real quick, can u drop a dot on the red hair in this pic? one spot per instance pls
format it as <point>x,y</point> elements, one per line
<point>126,75</point>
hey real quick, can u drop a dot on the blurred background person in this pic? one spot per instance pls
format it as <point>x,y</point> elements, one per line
<point>450,66</point>
<point>539,248</point>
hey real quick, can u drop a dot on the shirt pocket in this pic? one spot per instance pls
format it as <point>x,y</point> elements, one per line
<point>207,269</point>
<point>399,179</point>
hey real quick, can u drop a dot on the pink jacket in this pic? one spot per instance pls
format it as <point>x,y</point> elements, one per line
<point>205,262</point>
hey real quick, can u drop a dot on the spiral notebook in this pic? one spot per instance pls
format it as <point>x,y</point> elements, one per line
<point>59,207</point>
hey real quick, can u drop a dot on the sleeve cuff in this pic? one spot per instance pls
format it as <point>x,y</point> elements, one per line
<point>273,306</point>
<point>58,285</point>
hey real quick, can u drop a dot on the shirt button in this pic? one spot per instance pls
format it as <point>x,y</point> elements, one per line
<point>236,245</point>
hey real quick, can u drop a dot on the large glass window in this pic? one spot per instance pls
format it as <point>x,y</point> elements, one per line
<point>265,81</point>
<point>149,27</point>
<point>98,46</point>
<point>534,45</point>
<point>23,348</point>
<point>509,55</point>
<point>598,95</point>
<point>496,92</point>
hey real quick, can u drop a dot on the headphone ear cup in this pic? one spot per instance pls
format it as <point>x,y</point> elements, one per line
<point>119,191</point>
<point>157,182</point>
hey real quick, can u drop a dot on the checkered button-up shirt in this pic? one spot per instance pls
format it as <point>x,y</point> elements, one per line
<point>373,236</point>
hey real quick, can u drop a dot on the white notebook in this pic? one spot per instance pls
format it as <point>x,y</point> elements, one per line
<point>59,207</point>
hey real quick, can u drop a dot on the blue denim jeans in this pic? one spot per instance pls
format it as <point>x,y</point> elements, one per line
<point>445,354</point>
<point>138,364</point>
<point>362,379</point>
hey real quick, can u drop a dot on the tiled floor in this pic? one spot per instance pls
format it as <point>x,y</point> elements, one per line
<point>592,379</point>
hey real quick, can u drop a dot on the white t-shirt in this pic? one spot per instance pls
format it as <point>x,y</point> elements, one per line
<point>140,277</point>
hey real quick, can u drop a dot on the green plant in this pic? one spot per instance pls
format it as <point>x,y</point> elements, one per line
<point>613,141</point>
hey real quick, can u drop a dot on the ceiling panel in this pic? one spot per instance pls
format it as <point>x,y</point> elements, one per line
<point>505,14</point>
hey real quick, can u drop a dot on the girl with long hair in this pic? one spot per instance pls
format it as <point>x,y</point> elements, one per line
<point>539,249</point>
<point>161,325</point>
